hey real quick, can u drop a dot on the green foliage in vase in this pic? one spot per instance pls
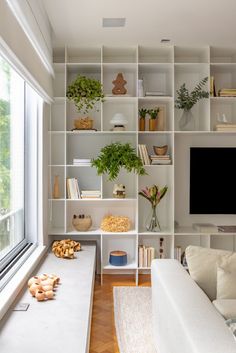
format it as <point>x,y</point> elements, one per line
<point>115,156</point>
<point>85,93</point>
<point>153,113</point>
<point>186,100</point>
<point>153,194</point>
<point>142,113</point>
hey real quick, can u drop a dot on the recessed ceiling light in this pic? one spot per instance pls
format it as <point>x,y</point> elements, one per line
<point>113,22</point>
<point>165,40</point>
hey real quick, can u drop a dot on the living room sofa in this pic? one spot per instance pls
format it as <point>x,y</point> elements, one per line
<point>184,318</point>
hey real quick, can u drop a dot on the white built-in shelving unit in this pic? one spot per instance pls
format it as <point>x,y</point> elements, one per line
<point>162,69</point>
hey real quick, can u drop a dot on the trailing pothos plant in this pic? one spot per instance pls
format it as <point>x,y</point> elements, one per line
<point>85,92</point>
<point>115,156</point>
<point>186,100</point>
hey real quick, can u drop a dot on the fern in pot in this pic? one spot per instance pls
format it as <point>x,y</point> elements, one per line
<point>85,92</point>
<point>186,100</point>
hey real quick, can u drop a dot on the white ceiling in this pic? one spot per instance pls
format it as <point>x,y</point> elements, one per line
<point>79,22</point>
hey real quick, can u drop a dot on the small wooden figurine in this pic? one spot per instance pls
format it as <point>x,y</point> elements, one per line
<point>119,84</point>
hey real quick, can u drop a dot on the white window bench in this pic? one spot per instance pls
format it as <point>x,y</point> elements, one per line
<point>59,325</point>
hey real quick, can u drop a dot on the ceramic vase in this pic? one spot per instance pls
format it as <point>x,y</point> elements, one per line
<point>187,121</point>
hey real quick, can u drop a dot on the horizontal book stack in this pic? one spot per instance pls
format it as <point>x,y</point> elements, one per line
<point>143,153</point>
<point>90,194</point>
<point>164,159</point>
<point>73,191</point>
<point>154,94</point>
<point>82,162</point>
<point>226,127</point>
<point>145,256</point>
<point>227,92</point>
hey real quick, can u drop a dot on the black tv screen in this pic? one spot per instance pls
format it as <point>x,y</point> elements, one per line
<point>212,180</point>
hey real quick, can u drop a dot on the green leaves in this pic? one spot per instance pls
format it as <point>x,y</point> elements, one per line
<point>186,100</point>
<point>153,113</point>
<point>115,156</point>
<point>143,112</point>
<point>153,194</point>
<point>85,92</point>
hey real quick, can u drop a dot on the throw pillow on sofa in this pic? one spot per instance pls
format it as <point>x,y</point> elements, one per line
<point>226,283</point>
<point>226,307</point>
<point>203,263</point>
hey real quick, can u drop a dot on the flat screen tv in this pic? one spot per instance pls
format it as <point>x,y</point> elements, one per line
<point>212,180</point>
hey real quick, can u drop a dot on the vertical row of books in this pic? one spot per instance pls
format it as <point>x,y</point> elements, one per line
<point>145,256</point>
<point>143,153</point>
<point>152,159</point>
<point>74,193</point>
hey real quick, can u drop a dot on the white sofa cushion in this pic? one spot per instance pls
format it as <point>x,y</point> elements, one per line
<point>226,283</point>
<point>226,307</point>
<point>203,263</point>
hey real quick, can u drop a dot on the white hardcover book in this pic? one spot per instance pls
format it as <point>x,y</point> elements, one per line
<point>141,153</point>
<point>145,257</point>
<point>140,256</point>
<point>77,188</point>
<point>146,157</point>
<point>74,189</point>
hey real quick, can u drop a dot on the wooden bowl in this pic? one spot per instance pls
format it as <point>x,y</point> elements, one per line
<point>160,150</point>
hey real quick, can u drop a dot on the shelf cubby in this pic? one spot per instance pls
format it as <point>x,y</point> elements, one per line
<point>157,77</point>
<point>126,106</point>
<point>110,72</point>
<point>161,176</point>
<point>72,114</point>
<point>163,54</point>
<point>119,54</point>
<point>87,177</point>
<point>191,75</point>
<point>153,240</point>
<point>191,55</point>
<point>125,178</point>
<point>220,106</point>
<point>224,75</point>
<point>122,242</point>
<point>222,55</point>
<point>166,111</point>
<point>83,55</point>
<point>156,139</point>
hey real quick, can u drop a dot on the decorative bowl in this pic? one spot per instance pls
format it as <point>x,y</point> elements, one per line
<point>160,150</point>
<point>81,224</point>
<point>83,123</point>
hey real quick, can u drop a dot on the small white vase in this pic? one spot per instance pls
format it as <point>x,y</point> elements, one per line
<point>187,121</point>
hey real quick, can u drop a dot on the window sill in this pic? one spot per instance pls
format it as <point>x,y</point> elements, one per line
<point>14,286</point>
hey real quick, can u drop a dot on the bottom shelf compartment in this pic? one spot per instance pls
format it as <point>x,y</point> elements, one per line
<point>127,243</point>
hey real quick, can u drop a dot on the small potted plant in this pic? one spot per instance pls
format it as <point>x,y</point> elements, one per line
<point>115,156</point>
<point>186,100</point>
<point>85,92</point>
<point>142,115</point>
<point>153,113</point>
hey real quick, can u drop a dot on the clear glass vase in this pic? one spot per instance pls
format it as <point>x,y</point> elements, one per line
<point>152,222</point>
<point>187,121</point>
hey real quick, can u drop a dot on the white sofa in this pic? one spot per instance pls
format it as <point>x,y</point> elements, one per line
<point>184,319</point>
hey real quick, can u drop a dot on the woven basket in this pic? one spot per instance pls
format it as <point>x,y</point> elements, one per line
<point>83,123</point>
<point>82,224</point>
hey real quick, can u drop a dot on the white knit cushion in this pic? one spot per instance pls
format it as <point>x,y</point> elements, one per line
<point>226,283</point>
<point>203,263</point>
<point>226,307</point>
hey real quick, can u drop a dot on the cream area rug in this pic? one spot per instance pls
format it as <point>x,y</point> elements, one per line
<point>133,319</point>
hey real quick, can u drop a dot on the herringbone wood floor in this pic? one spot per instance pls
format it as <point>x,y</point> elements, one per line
<point>103,336</point>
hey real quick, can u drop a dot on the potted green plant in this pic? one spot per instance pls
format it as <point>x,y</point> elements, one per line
<point>186,100</point>
<point>85,92</point>
<point>142,115</point>
<point>115,156</point>
<point>153,113</point>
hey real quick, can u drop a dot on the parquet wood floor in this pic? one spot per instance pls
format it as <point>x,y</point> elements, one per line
<point>103,335</point>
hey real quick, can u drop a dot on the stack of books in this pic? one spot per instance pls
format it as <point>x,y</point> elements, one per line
<point>145,256</point>
<point>143,153</point>
<point>226,127</point>
<point>82,162</point>
<point>227,92</point>
<point>165,159</point>
<point>90,194</point>
<point>178,253</point>
<point>73,191</point>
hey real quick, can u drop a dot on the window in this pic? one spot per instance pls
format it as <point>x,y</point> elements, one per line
<point>20,107</point>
